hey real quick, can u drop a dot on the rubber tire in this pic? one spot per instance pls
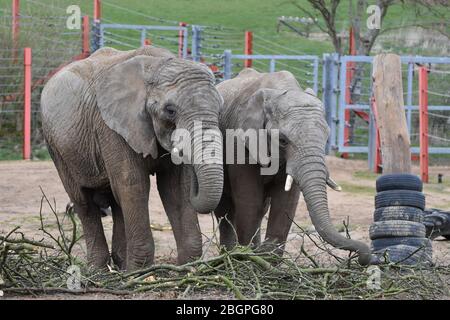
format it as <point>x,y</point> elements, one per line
<point>406,198</point>
<point>382,243</point>
<point>399,181</point>
<point>402,254</point>
<point>398,213</point>
<point>396,228</point>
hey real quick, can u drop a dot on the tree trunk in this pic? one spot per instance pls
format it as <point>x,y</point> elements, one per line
<point>391,119</point>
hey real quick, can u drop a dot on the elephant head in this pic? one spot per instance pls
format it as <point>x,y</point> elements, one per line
<point>303,132</point>
<point>145,98</point>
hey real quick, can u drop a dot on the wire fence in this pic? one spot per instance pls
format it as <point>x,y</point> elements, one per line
<point>53,45</point>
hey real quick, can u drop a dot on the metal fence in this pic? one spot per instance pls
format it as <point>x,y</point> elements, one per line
<point>342,95</point>
<point>230,71</point>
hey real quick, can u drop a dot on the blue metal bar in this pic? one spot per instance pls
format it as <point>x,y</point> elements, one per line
<point>334,98</point>
<point>140,27</point>
<point>227,65</point>
<point>185,43</point>
<point>196,42</point>
<point>403,59</point>
<point>409,94</point>
<point>361,149</point>
<point>342,124</point>
<point>270,57</point>
<point>143,35</point>
<point>272,65</point>
<point>316,75</point>
<point>101,41</point>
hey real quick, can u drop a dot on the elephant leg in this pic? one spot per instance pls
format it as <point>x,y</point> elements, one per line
<point>227,229</point>
<point>247,191</point>
<point>173,187</point>
<point>88,212</point>
<point>119,239</point>
<point>281,215</point>
<point>94,235</point>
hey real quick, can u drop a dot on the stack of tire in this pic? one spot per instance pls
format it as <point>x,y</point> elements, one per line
<point>398,232</point>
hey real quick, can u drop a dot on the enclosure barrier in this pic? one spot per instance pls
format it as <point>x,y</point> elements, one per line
<point>27,104</point>
<point>229,56</point>
<point>104,36</point>
<point>423,103</point>
<point>338,124</point>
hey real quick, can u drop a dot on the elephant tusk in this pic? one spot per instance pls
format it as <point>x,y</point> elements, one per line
<point>333,185</point>
<point>288,184</point>
<point>175,151</point>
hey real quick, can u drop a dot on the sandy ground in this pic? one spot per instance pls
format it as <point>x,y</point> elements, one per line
<point>20,199</point>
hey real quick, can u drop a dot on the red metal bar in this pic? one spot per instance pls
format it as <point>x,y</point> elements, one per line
<point>27,105</point>
<point>181,40</point>
<point>378,159</point>
<point>423,122</point>
<point>97,10</point>
<point>248,49</point>
<point>348,80</point>
<point>15,27</point>
<point>148,42</point>
<point>85,37</point>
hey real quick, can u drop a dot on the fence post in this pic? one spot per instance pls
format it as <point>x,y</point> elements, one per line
<point>181,40</point>
<point>227,65</point>
<point>196,43</point>
<point>143,36</point>
<point>326,95</point>
<point>15,27</point>
<point>97,10</point>
<point>96,26</point>
<point>374,155</point>
<point>85,37</point>
<point>423,121</point>
<point>27,104</point>
<point>248,48</point>
<point>348,81</point>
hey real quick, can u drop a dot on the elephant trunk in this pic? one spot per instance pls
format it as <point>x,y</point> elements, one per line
<point>207,174</point>
<point>312,178</point>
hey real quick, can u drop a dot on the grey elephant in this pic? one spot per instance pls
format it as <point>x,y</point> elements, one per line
<point>254,100</point>
<point>108,122</point>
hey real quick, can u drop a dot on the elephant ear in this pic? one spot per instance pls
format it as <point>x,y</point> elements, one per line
<point>259,108</point>
<point>121,97</point>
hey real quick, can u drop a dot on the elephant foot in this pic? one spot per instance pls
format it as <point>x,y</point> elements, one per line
<point>99,260</point>
<point>270,246</point>
<point>119,260</point>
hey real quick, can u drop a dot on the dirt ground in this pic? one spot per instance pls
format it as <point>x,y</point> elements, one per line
<point>20,198</point>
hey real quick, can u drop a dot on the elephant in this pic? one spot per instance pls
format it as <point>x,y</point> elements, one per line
<point>254,100</point>
<point>108,122</point>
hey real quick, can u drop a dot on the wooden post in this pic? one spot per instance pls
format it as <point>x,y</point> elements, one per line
<point>85,37</point>
<point>248,48</point>
<point>391,118</point>
<point>377,154</point>
<point>423,122</point>
<point>27,104</point>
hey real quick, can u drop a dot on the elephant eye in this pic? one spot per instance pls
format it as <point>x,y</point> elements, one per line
<point>283,141</point>
<point>170,110</point>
